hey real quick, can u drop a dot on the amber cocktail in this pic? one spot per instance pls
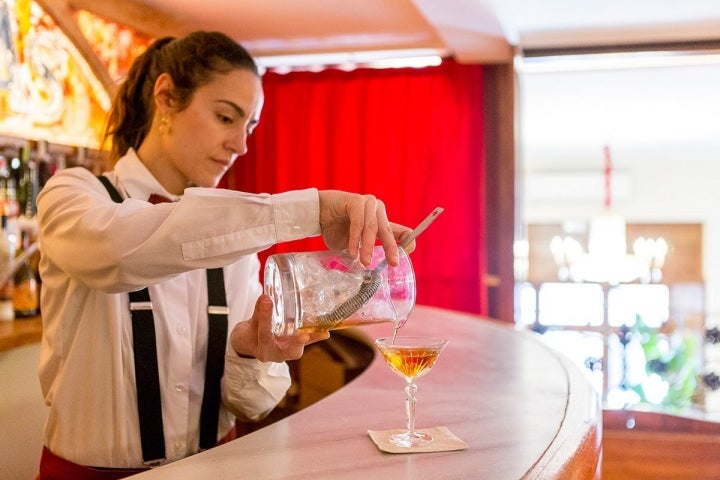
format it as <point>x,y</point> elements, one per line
<point>410,358</point>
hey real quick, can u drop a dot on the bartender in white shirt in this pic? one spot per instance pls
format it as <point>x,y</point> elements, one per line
<point>178,122</point>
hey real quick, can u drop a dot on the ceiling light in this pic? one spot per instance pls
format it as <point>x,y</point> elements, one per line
<point>349,60</point>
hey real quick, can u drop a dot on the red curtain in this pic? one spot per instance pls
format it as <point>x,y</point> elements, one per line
<point>412,137</point>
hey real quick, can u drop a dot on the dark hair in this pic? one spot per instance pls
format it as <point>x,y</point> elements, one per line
<point>191,61</point>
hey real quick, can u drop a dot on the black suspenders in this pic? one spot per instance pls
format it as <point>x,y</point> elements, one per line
<point>146,364</point>
<point>217,338</point>
<point>147,378</point>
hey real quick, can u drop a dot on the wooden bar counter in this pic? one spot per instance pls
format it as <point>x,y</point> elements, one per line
<point>20,332</point>
<point>524,410</point>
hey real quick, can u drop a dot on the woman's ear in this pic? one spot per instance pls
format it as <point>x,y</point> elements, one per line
<point>163,93</point>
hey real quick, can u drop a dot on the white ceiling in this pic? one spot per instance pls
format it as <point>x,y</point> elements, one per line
<point>481,31</point>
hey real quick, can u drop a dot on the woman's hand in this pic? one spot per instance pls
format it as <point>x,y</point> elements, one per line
<point>254,338</point>
<point>353,221</point>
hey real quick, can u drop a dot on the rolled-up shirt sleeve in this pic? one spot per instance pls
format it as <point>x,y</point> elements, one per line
<point>251,388</point>
<point>116,247</point>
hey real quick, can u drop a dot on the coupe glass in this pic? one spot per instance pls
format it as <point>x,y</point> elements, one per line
<point>411,358</point>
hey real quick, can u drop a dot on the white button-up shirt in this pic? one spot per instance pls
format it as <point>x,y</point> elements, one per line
<point>94,251</point>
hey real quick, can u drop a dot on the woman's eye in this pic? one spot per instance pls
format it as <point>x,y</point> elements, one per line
<point>225,119</point>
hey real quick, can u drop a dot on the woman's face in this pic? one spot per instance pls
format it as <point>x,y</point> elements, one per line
<point>203,140</point>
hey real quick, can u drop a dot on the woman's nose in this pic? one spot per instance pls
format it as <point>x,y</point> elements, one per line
<point>238,144</point>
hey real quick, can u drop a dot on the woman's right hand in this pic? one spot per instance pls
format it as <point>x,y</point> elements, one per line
<point>353,221</point>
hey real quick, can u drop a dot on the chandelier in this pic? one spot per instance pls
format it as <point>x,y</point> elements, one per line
<point>606,259</point>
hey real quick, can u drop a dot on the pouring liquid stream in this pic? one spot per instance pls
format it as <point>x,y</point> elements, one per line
<point>418,230</point>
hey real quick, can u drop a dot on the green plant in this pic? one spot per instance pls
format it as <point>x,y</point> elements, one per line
<point>672,354</point>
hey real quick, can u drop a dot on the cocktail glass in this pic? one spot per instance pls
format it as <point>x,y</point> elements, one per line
<point>410,357</point>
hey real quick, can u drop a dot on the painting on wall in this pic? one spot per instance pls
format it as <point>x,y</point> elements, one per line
<point>47,90</point>
<point>116,45</point>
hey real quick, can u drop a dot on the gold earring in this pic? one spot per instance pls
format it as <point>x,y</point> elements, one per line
<point>164,124</point>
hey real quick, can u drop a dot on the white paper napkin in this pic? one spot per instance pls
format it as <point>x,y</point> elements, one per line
<point>443,441</point>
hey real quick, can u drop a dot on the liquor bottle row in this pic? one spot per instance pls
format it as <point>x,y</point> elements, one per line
<point>19,281</point>
<point>22,173</point>
<point>25,166</point>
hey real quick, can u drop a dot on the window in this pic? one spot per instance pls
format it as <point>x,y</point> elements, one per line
<point>621,336</point>
<point>570,304</point>
<point>649,302</point>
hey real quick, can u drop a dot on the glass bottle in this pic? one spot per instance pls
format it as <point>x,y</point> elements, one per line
<point>8,194</point>
<point>7,254</point>
<point>27,181</point>
<point>26,298</point>
<point>9,172</point>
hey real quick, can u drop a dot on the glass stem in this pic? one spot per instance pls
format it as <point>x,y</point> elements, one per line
<point>410,402</point>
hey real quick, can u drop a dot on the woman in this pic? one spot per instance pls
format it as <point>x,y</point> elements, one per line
<point>178,122</point>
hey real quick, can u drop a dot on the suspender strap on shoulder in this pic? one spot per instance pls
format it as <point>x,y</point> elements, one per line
<point>114,194</point>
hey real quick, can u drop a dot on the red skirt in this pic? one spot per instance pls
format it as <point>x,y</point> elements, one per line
<point>53,467</point>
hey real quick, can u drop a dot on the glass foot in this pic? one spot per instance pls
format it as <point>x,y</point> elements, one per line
<point>410,439</point>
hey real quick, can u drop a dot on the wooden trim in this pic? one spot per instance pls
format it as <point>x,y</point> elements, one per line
<point>582,426</point>
<point>139,16</point>
<point>675,46</point>
<point>659,455</point>
<point>640,421</point>
<point>653,445</point>
<point>499,139</point>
